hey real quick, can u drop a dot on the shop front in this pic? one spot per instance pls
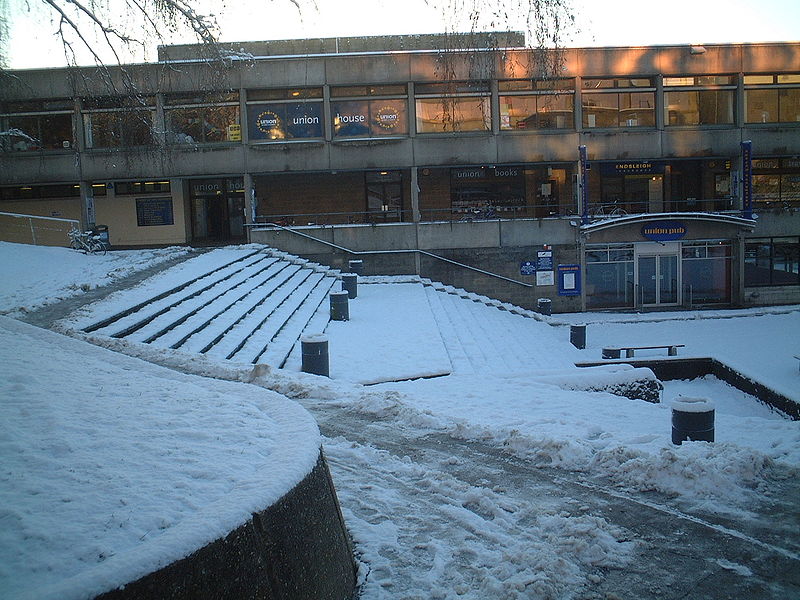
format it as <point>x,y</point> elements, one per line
<point>663,261</point>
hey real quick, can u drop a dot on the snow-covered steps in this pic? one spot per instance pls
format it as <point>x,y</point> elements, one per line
<point>246,304</point>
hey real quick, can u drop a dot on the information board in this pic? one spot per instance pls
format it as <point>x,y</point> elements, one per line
<point>154,211</point>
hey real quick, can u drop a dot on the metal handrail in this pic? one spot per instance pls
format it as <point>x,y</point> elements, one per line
<point>72,222</point>
<point>410,251</point>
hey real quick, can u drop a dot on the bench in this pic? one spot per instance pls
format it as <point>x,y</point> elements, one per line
<point>616,352</point>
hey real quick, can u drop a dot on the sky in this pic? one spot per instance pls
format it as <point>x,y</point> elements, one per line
<point>32,41</point>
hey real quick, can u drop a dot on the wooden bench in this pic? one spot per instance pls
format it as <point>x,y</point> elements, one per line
<point>616,352</point>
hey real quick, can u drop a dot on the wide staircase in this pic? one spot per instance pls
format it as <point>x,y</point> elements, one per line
<point>253,304</point>
<point>253,308</point>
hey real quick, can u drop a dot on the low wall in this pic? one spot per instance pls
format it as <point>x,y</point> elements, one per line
<point>692,368</point>
<point>498,247</point>
<point>297,548</point>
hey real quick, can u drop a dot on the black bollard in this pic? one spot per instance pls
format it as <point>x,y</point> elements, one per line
<point>577,336</point>
<point>693,420</point>
<point>340,310</point>
<point>315,355</point>
<point>350,284</point>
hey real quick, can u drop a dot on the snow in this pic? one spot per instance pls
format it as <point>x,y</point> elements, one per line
<point>436,364</point>
<point>32,276</point>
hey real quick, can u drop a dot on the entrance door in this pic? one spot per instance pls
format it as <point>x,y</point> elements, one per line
<point>658,279</point>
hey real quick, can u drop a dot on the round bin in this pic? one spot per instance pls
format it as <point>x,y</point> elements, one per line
<point>544,306</point>
<point>577,336</point>
<point>340,310</point>
<point>692,420</point>
<point>315,355</point>
<point>350,284</point>
<point>356,266</point>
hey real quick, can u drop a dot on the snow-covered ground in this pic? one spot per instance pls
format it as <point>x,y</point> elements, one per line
<point>503,391</point>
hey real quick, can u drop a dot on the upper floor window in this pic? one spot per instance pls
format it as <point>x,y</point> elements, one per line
<point>284,114</point>
<point>618,102</point>
<point>369,111</point>
<point>204,118</point>
<point>699,100</point>
<point>37,125</point>
<point>772,98</point>
<point>543,104</point>
<point>453,107</point>
<point>118,122</point>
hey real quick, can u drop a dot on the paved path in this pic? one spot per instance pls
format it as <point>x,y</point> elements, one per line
<point>674,555</point>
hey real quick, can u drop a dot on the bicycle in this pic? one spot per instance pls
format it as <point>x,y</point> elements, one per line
<point>86,242</point>
<point>600,211</point>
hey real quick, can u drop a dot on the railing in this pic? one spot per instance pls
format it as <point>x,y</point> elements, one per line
<point>376,252</point>
<point>37,230</point>
<point>598,209</point>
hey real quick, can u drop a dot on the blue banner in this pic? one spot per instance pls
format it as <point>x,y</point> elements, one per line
<point>569,280</point>
<point>747,179</point>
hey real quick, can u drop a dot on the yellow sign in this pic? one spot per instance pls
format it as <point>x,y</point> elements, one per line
<point>234,133</point>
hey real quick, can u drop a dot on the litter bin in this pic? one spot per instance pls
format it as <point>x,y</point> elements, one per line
<point>577,336</point>
<point>101,231</point>
<point>315,355</point>
<point>693,420</point>
<point>356,266</point>
<point>544,306</point>
<point>340,310</point>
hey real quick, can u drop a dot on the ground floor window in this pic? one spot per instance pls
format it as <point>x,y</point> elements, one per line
<point>707,272</point>
<point>610,276</point>
<point>772,261</point>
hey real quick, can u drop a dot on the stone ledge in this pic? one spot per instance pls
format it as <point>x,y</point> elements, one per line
<point>298,548</point>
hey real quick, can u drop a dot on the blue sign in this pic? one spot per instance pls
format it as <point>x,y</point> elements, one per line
<point>527,268</point>
<point>284,121</point>
<point>569,280</point>
<point>663,231</point>
<point>544,260</point>
<point>747,179</point>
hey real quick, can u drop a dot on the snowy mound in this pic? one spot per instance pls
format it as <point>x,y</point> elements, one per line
<point>114,467</point>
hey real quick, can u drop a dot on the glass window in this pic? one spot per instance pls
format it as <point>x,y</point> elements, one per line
<point>202,118</point>
<point>604,108</point>
<point>141,187</point>
<point>37,126</point>
<point>772,105</point>
<point>357,91</point>
<point>118,122</point>
<point>699,107</point>
<point>369,118</point>
<point>542,111</point>
<point>699,80</point>
<point>453,114</point>
<point>609,277</point>
<point>284,121</point>
<point>772,261</point>
<point>284,94</point>
<point>707,272</point>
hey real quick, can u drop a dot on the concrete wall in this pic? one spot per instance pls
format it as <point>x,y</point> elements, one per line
<point>296,549</point>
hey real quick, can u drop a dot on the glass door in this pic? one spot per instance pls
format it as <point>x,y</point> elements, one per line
<point>658,279</point>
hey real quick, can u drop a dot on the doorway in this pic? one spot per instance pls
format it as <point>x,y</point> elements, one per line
<point>217,210</point>
<point>658,275</point>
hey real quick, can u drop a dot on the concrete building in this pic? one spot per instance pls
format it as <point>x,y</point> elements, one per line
<point>622,178</point>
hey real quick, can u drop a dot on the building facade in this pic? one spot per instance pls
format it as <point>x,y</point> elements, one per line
<point>623,178</point>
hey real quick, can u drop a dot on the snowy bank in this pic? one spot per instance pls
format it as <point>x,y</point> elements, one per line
<point>33,276</point>
<point>114,467</point>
